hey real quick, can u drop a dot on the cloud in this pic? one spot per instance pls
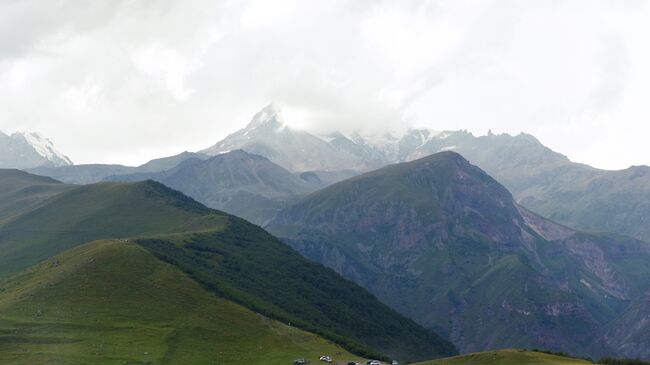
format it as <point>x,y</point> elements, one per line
<point>124,81</point>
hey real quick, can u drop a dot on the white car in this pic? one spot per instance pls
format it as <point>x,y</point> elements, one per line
<point>374,362</point>
<point>394,363</point>
<point>325,358</point>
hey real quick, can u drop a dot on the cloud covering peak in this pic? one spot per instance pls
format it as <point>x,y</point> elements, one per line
<point>124,81</point>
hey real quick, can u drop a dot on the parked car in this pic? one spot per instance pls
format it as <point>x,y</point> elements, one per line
<point>394,363</point>
<point>299,362</point>
<point>373,362</point>
<point>325,358</point>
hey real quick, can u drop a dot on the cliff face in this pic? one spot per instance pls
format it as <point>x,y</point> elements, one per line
<point>444,243</point>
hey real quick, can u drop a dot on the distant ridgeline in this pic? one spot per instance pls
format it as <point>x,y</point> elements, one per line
<point>299,163</point>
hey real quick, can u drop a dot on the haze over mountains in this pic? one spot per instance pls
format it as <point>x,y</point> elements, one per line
<point>493,241</point>
<point>540,179</point>
<point>268,135</point>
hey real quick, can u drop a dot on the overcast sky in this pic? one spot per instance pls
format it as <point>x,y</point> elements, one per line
<point>126,81</point>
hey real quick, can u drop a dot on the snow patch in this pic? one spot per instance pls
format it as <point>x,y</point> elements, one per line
<point>326,139</point>
<point>44,147</point>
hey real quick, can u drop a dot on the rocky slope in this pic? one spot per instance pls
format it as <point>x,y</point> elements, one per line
<point>28,150</point>
<point>445,244</point>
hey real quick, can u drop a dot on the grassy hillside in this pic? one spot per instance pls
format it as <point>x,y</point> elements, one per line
<point>105,210</point>
<point>251,267</point>
<point>21,192</point>
<point>112,302</point>
<point>229,256</point>
<point>507,357</point>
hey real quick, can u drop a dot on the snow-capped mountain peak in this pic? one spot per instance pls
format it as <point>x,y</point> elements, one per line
<point>271,115</point>
<point>44,147</point>
<point>23,150</point>
<point>424,135</point>
<point>298,150</point>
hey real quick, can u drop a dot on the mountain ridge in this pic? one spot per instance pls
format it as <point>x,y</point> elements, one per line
<point>440,241</point>
<point>217,250</point>
<point>541,179</point>
<point>240,183</point>
<point>21,192</point>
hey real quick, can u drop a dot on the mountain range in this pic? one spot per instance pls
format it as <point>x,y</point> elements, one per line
<point>540,179</point>
<point>493,241</point>
<point>445,244</point>
<point>143,266</point>
<point>268,135</point>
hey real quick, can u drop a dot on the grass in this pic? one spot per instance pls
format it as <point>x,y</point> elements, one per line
<point>507,357</point>
<point>230,257</point>
<point>21,192</point>
<point>98,211</point>
<point>253,268</point>
<point>112,302</point>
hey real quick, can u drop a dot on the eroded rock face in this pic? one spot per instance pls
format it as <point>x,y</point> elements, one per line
<point>595,261</point>
<point>442,242</point>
